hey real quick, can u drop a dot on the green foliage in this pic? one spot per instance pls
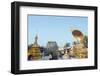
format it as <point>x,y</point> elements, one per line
<point>67,45</point>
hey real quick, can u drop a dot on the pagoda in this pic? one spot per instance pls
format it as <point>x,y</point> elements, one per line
<point>34,52</point>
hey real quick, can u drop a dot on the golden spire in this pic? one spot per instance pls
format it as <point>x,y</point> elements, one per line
<point>36,37</point>
<point>36,42</point>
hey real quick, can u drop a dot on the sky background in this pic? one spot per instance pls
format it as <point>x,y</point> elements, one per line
<point>54,28</point>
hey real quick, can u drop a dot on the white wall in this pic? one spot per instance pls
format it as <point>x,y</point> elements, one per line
<point>5,41</point>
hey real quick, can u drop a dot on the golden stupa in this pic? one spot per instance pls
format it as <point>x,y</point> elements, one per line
<point>34,52</point>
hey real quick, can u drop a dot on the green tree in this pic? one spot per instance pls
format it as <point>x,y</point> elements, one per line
<point>67,45</point>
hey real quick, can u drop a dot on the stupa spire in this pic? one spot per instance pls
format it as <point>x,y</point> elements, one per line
<point>36,38</point>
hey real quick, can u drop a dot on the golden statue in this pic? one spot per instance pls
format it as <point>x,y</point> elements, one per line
<point>79,50</point>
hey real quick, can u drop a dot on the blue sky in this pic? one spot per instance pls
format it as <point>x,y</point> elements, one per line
<point>54,28</point>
